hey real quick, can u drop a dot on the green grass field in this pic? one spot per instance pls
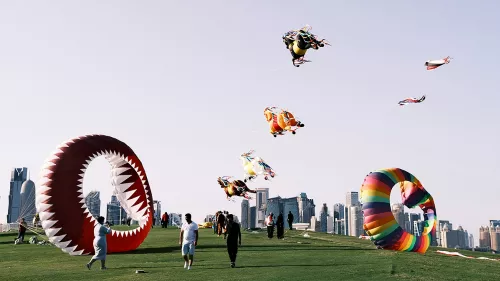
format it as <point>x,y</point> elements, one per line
<point>320,257</point>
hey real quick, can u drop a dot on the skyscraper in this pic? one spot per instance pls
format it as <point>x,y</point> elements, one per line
<point>339,208</point>
<point>484,237</point>
<point>17,177</point>
<point>157,209</point>
<point>323,217</point>
<point>307,208</point>
<point>93,202</point>
<point>275,206</point>
<point>253,217</point>
<point>471,241</point>
<point>245,214</point>
<point>495,238</point>
<point>260,206</point>
<point>494,223</point>
<point>399,214</point>
<point>355,221</point>
<point>291,205</point>
<point>412,218</point>
<point>114,212</point>
<point>352,198</point>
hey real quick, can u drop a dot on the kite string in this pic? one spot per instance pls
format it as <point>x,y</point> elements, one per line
<point>24,209</point>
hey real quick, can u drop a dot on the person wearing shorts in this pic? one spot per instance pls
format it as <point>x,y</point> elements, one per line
<point>188,239</point>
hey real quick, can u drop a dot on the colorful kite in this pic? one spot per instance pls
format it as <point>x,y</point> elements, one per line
<point>379,222</point>
<point>299,41</point>
<point>433,64</point>
<point>61,204</point>
<point>281,121</point>
<point>255,166</point>
<point>234,188</point>
<point>411,100</point>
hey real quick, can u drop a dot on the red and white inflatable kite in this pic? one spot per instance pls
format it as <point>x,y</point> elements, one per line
<point>61,204</point>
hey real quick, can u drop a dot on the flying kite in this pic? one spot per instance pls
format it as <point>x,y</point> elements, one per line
<point>411,100</point>
<point>255,166</point>
<point>378,220</point>
<point>299,41</point>
<point>282,121</point>
<point>433,64</point>
<point>61,204</point>
<point>234,188</point>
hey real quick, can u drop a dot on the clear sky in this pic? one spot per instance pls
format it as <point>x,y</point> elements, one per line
<point>185,83</point>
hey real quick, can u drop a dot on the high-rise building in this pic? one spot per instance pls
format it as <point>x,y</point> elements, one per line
<point>471,241</point>
<point>253,217</point>
<point>28,208</point>
<point>347,220</point>
<point>339,208</point>
<point>291,205</point>
<point>340,227</point>
<point>355,221</point>
<point>412,218</point>
<point>157,211</point>
<point>495,238</point>
<point>245,214</point>
<point>323,217</point>
<point>399,214</point>
<point>260,206</point>
<point>352,198</point>
<point>453,238</point>
<point>93,203</point>
<point>275,206</point>
<point>484,237</point>
<point>307,208</point>
<point>115,214</point>
<point>494,223</point>
<point>17,177</point>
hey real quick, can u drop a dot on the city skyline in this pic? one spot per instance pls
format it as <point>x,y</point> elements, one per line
<point>146,75</point>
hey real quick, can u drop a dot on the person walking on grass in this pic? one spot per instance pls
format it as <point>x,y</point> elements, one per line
<point>100,246</point>
<point>270,226</point>
<point>290,219</point>
<point>233,240</point>
<point>280,224</point>
<point>188,239</point>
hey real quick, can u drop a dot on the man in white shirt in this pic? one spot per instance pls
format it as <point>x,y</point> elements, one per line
<point>188,239</point>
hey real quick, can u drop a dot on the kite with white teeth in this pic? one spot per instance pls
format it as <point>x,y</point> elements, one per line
<point>61,203</point>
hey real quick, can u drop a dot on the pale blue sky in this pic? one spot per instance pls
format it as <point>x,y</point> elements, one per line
<point>185,85</point>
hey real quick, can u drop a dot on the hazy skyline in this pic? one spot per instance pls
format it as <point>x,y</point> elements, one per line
<point>185,86</point>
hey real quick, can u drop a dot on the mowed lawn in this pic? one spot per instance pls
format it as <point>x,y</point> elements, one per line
<point>319,257</point>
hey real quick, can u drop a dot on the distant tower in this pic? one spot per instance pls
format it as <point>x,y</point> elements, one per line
<point>28,209</point>
<point>17,177</point>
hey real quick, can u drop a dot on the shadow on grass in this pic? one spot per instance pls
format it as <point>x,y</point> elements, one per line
<point>277,266</point>
<point>155,250</point>
<point>256,248</point>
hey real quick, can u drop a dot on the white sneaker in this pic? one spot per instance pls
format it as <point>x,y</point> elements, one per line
<point>189,267</point>
<point>185,264</point>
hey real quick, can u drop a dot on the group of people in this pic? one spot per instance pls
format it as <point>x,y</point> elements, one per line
<point>280,225</point>
<point>188,238</point>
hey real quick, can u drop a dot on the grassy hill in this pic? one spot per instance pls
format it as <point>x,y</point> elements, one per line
<point>319,257</point>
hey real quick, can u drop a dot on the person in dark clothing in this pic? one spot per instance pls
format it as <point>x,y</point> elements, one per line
<point>290,220</point>
<point>22,230</point>
<point>233,239</point>
<point>164,220</point>
<point>221,219</point>
<point>129,220</point>
<point>280,226</point>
